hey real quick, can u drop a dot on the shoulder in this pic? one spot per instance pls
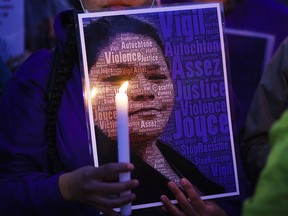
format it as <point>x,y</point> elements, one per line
<point>284,45</point>
<point>35,70</point>
<point>280,58</point>
<point>278,132</point>
<point>272,183</point>
<point>264,16</point>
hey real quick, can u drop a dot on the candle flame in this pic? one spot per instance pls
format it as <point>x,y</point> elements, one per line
<point>94,92</point>
<point>124,87</point>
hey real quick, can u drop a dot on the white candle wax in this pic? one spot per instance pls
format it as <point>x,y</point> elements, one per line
<point>123,139</point>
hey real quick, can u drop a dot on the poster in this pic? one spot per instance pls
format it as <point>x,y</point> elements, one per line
<point>179,107</point>
<point>11,28</point>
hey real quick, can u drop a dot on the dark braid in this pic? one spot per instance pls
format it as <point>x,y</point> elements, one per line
<point>63,65</point>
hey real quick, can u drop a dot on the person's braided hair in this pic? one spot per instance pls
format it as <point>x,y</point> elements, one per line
<point>63,63</point>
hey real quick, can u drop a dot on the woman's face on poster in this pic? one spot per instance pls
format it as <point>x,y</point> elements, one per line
<point>140,61</point>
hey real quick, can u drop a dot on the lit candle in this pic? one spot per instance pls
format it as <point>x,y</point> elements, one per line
<point>123,139</point>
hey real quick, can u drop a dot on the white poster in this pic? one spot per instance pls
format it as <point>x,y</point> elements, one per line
<point>11,28</point>
<point>179,108</point>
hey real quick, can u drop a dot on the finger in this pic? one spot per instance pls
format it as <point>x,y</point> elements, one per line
<point>111,202</point>
<point>108,211</point>
<point>169,207</point>
<point>111,169</point>
<point>182,199</point>
<point>112,188</point>
<point>112,178</point>
<point>193,195</point>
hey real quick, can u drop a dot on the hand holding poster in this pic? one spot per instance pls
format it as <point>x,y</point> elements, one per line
<point>179,108</point>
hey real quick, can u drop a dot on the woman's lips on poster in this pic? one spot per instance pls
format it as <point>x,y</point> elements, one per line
<point>149,111</point>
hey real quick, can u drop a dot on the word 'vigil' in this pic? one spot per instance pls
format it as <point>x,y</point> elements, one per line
<point>181,25</point>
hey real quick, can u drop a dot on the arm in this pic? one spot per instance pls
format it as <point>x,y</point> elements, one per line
<point>25,182</point>
<point>269,101</point>
<point>26,185</point>
<point>270,197</point>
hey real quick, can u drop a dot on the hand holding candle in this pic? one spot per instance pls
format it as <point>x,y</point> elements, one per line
<point>123,138</point>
